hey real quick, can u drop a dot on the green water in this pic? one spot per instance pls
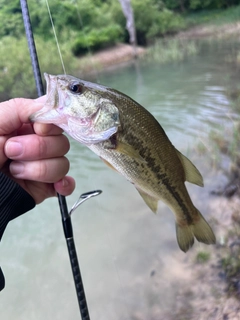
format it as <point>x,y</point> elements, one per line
<point>120,243</point>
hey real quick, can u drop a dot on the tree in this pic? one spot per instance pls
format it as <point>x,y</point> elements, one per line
<point>130,25</point>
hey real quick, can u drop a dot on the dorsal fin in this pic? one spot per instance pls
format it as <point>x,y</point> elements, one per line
<point>191,172</point>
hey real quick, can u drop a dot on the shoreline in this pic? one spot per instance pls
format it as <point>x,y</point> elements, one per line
<point>123,53</point>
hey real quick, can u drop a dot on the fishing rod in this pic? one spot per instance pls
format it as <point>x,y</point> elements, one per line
<point>66,216</point>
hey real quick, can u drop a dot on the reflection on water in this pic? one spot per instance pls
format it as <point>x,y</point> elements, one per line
<point>122,247</point>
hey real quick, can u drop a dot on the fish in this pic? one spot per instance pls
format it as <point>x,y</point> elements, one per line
<point>128,138</point>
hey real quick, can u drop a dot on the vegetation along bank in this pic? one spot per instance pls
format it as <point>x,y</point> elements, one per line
<point>95,25</point>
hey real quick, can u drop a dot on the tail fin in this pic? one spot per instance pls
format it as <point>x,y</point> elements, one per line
<point>203,232</point>
<point>200,230</point>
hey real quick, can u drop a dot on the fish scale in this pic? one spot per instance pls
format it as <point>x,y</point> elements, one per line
<point>130,140</point>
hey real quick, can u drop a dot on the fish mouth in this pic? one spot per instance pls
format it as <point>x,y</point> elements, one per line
<point>49,113</point>
<point>45,115</point>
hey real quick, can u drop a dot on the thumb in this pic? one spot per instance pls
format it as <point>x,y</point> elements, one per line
<point>15,112</point>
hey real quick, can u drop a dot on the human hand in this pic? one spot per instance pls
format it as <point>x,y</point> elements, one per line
<point>33,154</point>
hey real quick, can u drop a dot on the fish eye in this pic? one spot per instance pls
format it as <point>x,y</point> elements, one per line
<point>75,87</point>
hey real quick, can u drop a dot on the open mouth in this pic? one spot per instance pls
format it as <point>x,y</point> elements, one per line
<point>49,113</point>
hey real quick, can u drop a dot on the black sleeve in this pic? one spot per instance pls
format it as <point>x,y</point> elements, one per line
<point>14,201</point>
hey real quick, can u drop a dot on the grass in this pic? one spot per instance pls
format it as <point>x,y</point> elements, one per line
<point>216,17</point>
<point>171,50</point>
<point>202,257</point>
<point>230,262</point>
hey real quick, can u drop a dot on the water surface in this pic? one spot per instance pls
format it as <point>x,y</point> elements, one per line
<point>122,247</point>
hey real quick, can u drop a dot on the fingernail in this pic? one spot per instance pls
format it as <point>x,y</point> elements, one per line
<point>13,149</point>
<point>65,182</point>
<point>16,168</point>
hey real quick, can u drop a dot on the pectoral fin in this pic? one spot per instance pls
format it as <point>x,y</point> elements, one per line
<point>128,150</point>
<point>149,200</point>
<point>191,172</point>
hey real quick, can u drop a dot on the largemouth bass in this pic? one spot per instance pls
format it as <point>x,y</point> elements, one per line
<point>131,141</point>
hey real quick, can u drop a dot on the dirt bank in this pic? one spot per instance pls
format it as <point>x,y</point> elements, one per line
<point>109,57</point>
<point>120,53</point>
<point>124,52</point>
<point>204,291</point>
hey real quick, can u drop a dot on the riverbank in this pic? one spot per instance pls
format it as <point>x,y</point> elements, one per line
<point>122,52</point>
<point>109,57</point>
<point>213,291</point>
<point>206,289</point>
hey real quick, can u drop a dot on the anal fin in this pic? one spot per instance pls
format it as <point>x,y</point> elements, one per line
<point>149,200</point>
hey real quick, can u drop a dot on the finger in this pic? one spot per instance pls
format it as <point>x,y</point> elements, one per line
<point>3,157</point>
<point>49,171</point>
<point>34,147</point>
<point>65,186</point>
<point>17,111</point>
<point>46,129</point>
<point>41,99</point>
<point>38,190</point>
<point>26,128</point>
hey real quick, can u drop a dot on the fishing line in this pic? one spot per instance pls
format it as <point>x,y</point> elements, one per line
<point>66,217</point>
<point>55,36</point>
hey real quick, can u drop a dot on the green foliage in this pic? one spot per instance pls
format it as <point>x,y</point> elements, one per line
<point>86,25</point>
<point>15,67</point>
<point>90,25</point>
<point>16,76</point>
<point>202,257</point>
<point>206,4</point>
<point>11,22</point>
<point>91,20</point>
<point>63,14</point>
<point>97,23</point>
<point>196,5</point>
<point>96,39</point>
<point>211,4</point>
<point>152,20</point>
<point>179,5</point>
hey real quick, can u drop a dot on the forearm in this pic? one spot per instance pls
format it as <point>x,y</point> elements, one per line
<point>14,201</point>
